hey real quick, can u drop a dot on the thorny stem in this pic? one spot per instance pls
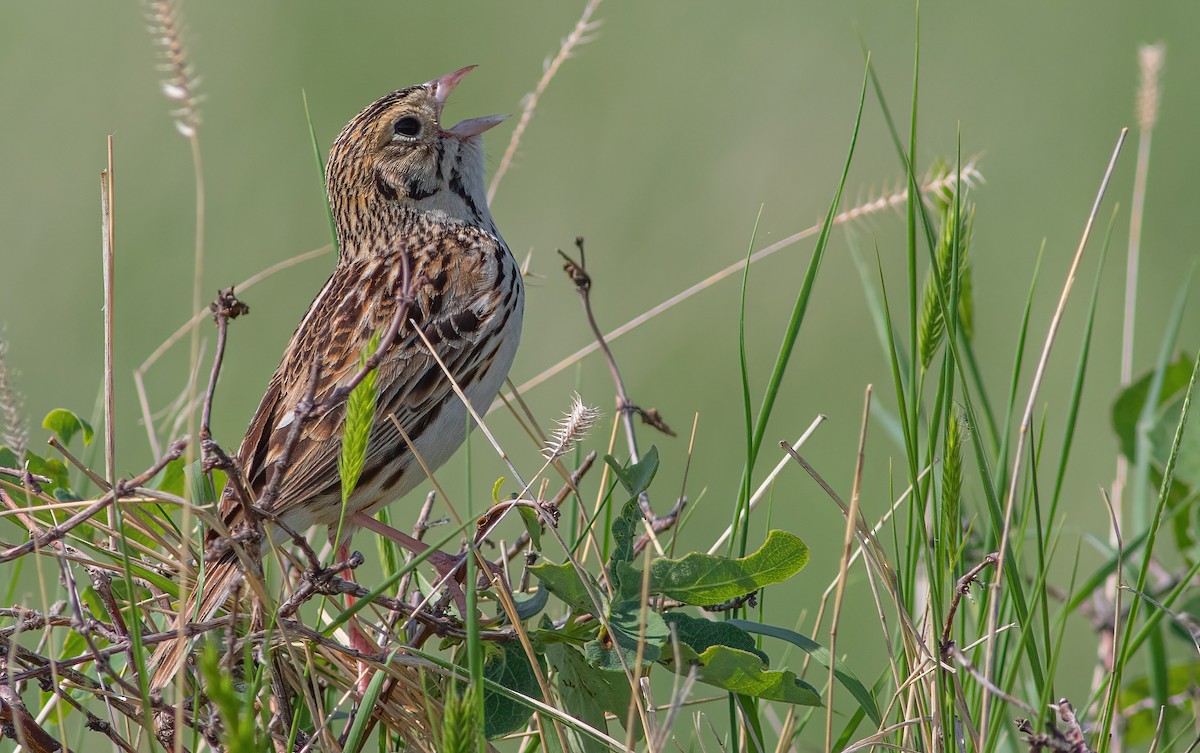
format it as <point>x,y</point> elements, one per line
<point>226,307</point>
<point>583,285</point>
<point>962,589</point>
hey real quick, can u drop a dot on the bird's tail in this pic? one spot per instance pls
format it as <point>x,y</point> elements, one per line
<point>220,579</point>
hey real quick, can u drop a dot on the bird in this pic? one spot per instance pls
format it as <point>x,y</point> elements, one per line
<point>408,202</point>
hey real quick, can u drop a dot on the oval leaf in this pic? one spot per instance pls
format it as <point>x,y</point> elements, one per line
<point>66,425</point>
<point>744,673</point>
<point>509,667</point>
<point>848,679</point>
<point>701,579</point>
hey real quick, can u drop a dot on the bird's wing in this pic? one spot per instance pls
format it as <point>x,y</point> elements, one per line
<point>456,300</point>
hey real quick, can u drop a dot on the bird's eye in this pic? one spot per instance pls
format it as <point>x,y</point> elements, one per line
<point>408,127</point>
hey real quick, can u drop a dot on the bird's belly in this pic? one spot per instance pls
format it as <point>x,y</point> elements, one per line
<point>442,437</point>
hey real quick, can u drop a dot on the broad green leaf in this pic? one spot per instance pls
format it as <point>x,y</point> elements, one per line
<point>1127,408</point>
<point>700,634</point>
<point>1162,436</point>
<point>625,618</point>
<point>66,425</point>
<point>533,525</point>
<point>637,477</point>
<point>509,667</point>
<point>744,673</point>
<point>563,581</point>
<point>74,645</point>
<point>52,468</point>
<point>587,693</point>
<point>846,677</point>
<point>1181,679</point>
<point>608,655</point>
<point>703,579</point>
<point>172,478</point>
<point>624,531</point>
<point>572,632</point>
<point>204,491</point>
<point>528,605</point>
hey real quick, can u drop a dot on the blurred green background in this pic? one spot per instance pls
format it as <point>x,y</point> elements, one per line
<point>658,141</point>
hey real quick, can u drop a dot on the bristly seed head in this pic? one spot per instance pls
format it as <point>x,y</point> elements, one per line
<point>571,429</point>
<point>15,433</point>
<point>1151,58</point>
<point>180,83</point>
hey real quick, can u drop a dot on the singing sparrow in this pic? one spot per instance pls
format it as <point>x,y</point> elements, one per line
<point>401,187</point>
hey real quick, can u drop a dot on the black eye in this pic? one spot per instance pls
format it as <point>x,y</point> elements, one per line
<point>408,126</point>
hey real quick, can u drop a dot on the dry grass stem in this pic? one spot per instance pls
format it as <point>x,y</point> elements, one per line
<point>970,176</point>
<point>852,516</point>
<point>577,37</point>
<point>761,491</point>
<point>107,229</point>
<point>1027,423</point>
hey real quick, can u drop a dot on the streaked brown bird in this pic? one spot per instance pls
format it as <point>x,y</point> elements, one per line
<point>406,193</point>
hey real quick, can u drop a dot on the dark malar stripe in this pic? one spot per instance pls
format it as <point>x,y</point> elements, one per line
<point>416,192</point>
<point>456,185</point>
<point>384,189</point>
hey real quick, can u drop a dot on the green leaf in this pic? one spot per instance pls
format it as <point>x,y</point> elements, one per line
<point>631,624</point>
<point>563,581</point>
<point>66,425</point>
<point>1130,408</point>
<point>509,667</point>
<point>360,415</point>
<point>702,579</point>
<point>1162,436</point>
<point>204,491</point>
<point>52,468</point>
<point>744,673</point>
<point>1127,408</point>
<point>238,722</point>
<point>846,677</point>
<point>624,531</point>
<point>1142,724</point>
<point>587,693</point>
<point>358,728</point>
<point>625,619</point>
<point>700,634</point>
<point>533,525</point>
<point>528,605</point>
<point>172,478</point>
<point>74,645</point>
<point>637,477</point>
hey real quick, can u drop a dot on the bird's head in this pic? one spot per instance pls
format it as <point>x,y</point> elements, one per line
<point>395,157</point>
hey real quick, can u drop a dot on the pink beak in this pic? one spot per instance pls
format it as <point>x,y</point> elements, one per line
<point>442,87</point>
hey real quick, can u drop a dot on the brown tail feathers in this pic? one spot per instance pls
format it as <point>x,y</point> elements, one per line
<point>220,580</point>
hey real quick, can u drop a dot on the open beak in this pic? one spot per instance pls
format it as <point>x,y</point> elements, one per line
<point>442,87</point>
